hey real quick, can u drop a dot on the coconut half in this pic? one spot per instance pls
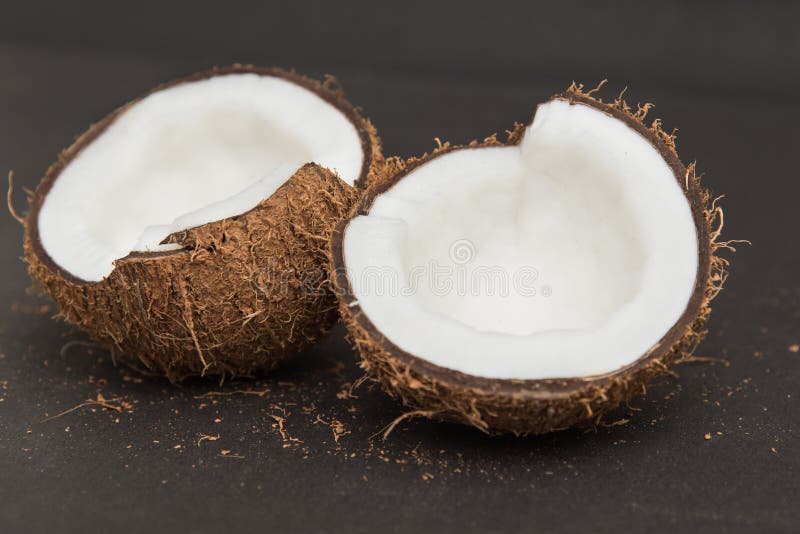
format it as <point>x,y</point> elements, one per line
<point>187,230</point>
<point>531,285</point>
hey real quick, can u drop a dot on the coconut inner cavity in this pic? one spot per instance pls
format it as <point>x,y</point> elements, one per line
<point>186,156</point>
<point>568,255</point>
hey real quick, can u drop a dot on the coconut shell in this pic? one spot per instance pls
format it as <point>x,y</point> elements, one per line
<point>241,294</point>
<point>520,407</point>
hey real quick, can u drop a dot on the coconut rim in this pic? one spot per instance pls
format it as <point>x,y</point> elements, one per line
<point>328,90</point>
<point>543,388</point>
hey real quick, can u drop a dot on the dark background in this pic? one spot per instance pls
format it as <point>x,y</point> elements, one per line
<point>727,73</point>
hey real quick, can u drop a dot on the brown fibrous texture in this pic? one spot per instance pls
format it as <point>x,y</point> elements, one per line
<point>241,294</point>
<point>537,406</point>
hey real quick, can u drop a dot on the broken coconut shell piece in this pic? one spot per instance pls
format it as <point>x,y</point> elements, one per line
<point>529,286</point>
<point>188,231</point>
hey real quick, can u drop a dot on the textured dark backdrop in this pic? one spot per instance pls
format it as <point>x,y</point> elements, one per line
<point>286,452</point>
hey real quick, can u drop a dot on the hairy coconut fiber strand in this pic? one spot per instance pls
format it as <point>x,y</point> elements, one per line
<point>535,406</point>
<point>230,297</point>
<point>239,295</point>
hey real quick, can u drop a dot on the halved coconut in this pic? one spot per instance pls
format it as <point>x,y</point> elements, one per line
<point>188,231</point>
<point>529,286</point>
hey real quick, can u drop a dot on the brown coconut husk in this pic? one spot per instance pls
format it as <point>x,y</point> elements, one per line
<point>520,407</point>
<point>242,293</point>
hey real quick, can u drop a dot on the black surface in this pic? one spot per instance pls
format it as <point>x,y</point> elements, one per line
<point>725,72</point>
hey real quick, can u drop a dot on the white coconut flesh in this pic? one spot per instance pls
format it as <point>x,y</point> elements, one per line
<point>583,219</point>
<point>185,156</point>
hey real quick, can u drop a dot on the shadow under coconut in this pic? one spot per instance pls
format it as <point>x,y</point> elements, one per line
<point>617,424</point>
<point>326,383</point>
<point>315,405</point>
<point>636,423</point>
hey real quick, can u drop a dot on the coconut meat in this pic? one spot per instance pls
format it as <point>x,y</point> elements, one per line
<point>185,156</point>
<point>568,255</point>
